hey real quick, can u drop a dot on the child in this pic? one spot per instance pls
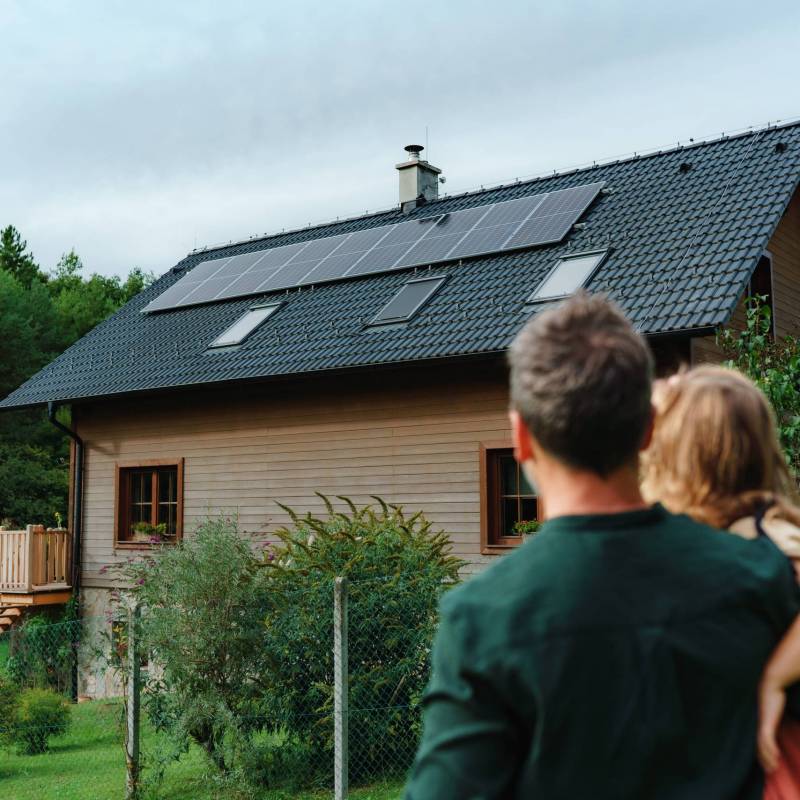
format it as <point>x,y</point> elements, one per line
<point>715,456</point>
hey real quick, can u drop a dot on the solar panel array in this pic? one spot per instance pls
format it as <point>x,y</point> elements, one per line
<point>509,225</point>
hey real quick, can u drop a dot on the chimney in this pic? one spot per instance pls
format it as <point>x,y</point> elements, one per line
<point>419,180</point>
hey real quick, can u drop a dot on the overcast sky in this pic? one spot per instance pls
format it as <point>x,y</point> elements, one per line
<point>134,132</point>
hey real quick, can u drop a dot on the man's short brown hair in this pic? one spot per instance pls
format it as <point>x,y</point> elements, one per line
<point>581,379</point>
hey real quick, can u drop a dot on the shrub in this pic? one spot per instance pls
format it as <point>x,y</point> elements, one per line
<point>205,602</point>
<point>39,715</point>
<point>243,643</point>
<point>42,652</point>
<point>397,569</point>
<point>774,365</point>
<point>9,695</point>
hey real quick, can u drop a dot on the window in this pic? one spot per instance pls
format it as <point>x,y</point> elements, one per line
<point>149,503</point>
<point>761,285</point>
<point>244,326</point>
<point>568,275</point>
<point>409,300</point>
<point>507,498</point>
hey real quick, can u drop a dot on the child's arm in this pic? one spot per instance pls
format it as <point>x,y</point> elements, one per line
<point>782,670</point>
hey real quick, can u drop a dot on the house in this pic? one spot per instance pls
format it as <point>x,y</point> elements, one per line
<point>366,356</point>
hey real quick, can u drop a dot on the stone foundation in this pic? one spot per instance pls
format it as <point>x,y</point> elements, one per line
<point>96,679</point>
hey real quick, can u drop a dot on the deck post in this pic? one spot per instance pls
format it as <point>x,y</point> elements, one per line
<point>340,690</point>
<point>132,700</point>
<point>30,557</point>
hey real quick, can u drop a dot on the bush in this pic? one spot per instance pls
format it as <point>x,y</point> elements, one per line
<point>243,643</point>
<point>774,365</point>
<point>397,569</point>
<point>9,695</point>
<point>39,715</point>
<point>42,652</point>
<point>205,601</point>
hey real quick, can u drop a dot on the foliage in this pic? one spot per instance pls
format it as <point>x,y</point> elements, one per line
<point>42,653</point>
<point>206,599</point>
<point>81,304</point>
<point>243,643</point>
<point>9,697</point>
<point>526,527</point>
<point>85,764</point>
<point>397,569</point>
<point>39,715</point>
<point>774,365</point>
<point>40,316</point>
<point>14,258</point>
<point>154,533</point>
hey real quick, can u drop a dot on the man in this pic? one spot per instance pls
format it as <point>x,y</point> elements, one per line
<point>617,654</point>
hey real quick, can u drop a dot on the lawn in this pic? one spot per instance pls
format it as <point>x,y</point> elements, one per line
<point>88,764</point>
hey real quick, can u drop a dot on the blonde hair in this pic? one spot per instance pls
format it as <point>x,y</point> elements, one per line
<point>715,453</point>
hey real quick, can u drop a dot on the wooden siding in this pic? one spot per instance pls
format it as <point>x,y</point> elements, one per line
<point>785,249</point>
<point>784,246</point>
<point>411,436</point>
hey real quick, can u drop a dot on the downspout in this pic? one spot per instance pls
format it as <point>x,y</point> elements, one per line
<point>77,520</point>
<point>77,501</point>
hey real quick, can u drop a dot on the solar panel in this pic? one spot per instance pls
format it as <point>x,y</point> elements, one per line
<point>512,224</point>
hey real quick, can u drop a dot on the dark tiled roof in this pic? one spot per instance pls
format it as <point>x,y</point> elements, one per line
<point>684,230</point>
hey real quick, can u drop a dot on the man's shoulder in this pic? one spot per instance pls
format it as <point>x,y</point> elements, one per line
<point>509,578</point>
<point>545,567</point>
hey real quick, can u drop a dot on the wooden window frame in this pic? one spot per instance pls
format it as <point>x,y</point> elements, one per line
<point>120,502</point>
<point>490,544</point>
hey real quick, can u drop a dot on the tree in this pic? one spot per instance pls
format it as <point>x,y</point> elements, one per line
<point>40,316</point>
<point>774,365</point>
<point>15,260</point>
<point>82,304</point>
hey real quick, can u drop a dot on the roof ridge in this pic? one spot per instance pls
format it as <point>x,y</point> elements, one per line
<point>636,155</point>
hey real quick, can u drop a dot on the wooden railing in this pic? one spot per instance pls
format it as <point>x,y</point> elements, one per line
<point>35,558</point>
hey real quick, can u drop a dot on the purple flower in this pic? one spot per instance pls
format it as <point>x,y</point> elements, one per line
<point>272,556</point>
<point>140,582</point>
<point>104,569</point>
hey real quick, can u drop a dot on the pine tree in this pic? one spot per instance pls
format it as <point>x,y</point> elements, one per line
<point>15,260</point>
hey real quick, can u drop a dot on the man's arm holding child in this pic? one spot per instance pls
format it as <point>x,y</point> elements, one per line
<point>470,740</point>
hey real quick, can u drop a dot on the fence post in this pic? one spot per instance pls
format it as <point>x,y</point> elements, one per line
<point>132,698</point>
<point>340,689</point>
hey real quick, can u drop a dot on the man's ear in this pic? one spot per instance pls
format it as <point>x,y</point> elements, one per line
<point>648,433</point>
<point>521,437</point>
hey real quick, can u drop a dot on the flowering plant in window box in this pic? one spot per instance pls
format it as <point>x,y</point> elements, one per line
<point>145,532</point>
<point>526,527</point>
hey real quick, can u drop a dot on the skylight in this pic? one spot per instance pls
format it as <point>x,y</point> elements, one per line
<point>244,326</point>
<point>568,275</point>
<point>408,300</point>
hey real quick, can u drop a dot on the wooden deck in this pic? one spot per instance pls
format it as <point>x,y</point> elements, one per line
<point>35,566</point>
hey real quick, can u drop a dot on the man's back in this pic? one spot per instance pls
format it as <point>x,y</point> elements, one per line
<point>614,656</point>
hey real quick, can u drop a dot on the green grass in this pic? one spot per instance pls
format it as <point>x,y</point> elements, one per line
<point>4,645</point>
<point>88,764</point>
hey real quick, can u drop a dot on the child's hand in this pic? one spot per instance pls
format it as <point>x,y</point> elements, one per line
<point>771,702</point>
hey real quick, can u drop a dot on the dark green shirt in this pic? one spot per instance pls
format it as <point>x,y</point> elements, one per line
<point>610,657</point>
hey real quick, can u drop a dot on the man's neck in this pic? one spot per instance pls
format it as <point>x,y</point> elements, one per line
<point>568,492</point>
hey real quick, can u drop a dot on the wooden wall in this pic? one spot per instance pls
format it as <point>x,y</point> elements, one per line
<point>411,436</point>
<point>785,249</point>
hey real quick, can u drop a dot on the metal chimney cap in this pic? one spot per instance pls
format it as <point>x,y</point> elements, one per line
<point>413,150</point>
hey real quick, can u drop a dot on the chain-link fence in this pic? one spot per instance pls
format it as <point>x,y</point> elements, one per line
<point>51,746</point>
<point>335,711</point>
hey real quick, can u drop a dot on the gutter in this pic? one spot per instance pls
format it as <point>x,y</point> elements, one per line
<point>77,504</point>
